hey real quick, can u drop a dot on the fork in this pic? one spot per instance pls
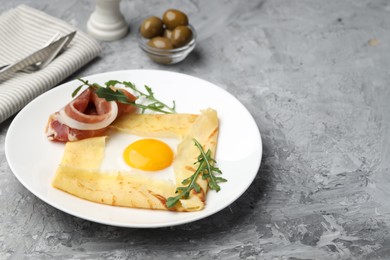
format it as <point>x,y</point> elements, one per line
<point>42,64</point>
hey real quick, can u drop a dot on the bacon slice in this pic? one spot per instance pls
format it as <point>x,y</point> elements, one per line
<point>86,116</point>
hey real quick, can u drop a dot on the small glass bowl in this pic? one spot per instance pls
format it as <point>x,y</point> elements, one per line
<point>167,56</point>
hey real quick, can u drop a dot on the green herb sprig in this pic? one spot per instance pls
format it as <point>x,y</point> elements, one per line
<point>205,168</point>
<point>114,95</point>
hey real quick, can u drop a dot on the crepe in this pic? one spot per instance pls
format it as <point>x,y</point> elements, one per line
<point>79,174</point>
<point>155,125</point>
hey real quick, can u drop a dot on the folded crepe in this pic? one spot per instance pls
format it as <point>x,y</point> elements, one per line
<point>79,174</point>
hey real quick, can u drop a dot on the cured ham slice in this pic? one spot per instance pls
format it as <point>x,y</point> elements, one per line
<point>57,131</point>
<point>86,116</point>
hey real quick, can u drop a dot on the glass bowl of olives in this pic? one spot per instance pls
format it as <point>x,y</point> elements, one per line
<point>168,40</point>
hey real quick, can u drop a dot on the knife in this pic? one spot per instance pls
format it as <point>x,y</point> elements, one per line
<point>41,55</point>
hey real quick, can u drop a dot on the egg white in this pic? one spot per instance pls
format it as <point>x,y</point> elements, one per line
<point>113,161</point>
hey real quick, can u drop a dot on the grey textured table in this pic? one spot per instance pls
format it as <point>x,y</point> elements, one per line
<point>315,76</point>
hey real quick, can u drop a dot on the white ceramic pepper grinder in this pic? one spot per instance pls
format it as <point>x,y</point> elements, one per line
<point>107,22</point>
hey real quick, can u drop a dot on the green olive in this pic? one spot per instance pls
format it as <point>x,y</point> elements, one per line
<point>181,35</point>
<point>160,43</point>
<point>151,27</point>
<point>167,34</point>
<point>173,18</point>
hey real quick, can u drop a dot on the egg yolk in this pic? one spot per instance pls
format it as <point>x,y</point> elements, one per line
<point>148,155</point>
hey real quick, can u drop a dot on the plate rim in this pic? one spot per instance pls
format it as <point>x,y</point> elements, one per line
<point>132,225</point>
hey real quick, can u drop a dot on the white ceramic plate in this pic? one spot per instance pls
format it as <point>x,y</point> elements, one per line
<point>33,159</point>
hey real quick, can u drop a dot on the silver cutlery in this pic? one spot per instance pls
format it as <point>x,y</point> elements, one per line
<point>39,65</point>
<point>38,59</point>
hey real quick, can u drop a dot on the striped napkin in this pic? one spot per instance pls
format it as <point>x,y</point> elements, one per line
<point>24,30</point>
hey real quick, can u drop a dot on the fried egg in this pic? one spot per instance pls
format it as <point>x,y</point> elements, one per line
<point>148,155</point>
<point>140,155</point>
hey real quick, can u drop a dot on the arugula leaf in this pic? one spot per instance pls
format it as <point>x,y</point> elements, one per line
<point>156,105</point>
<point>206,169</point>
<point>111,83</point>
<point>111,94</point>
<point>74,93</point>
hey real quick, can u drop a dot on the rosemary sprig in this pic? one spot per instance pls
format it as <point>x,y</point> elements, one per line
<point>111,94</point>
<point>206,169</point>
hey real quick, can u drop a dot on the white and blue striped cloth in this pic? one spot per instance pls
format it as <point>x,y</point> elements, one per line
<point>24,30</point>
